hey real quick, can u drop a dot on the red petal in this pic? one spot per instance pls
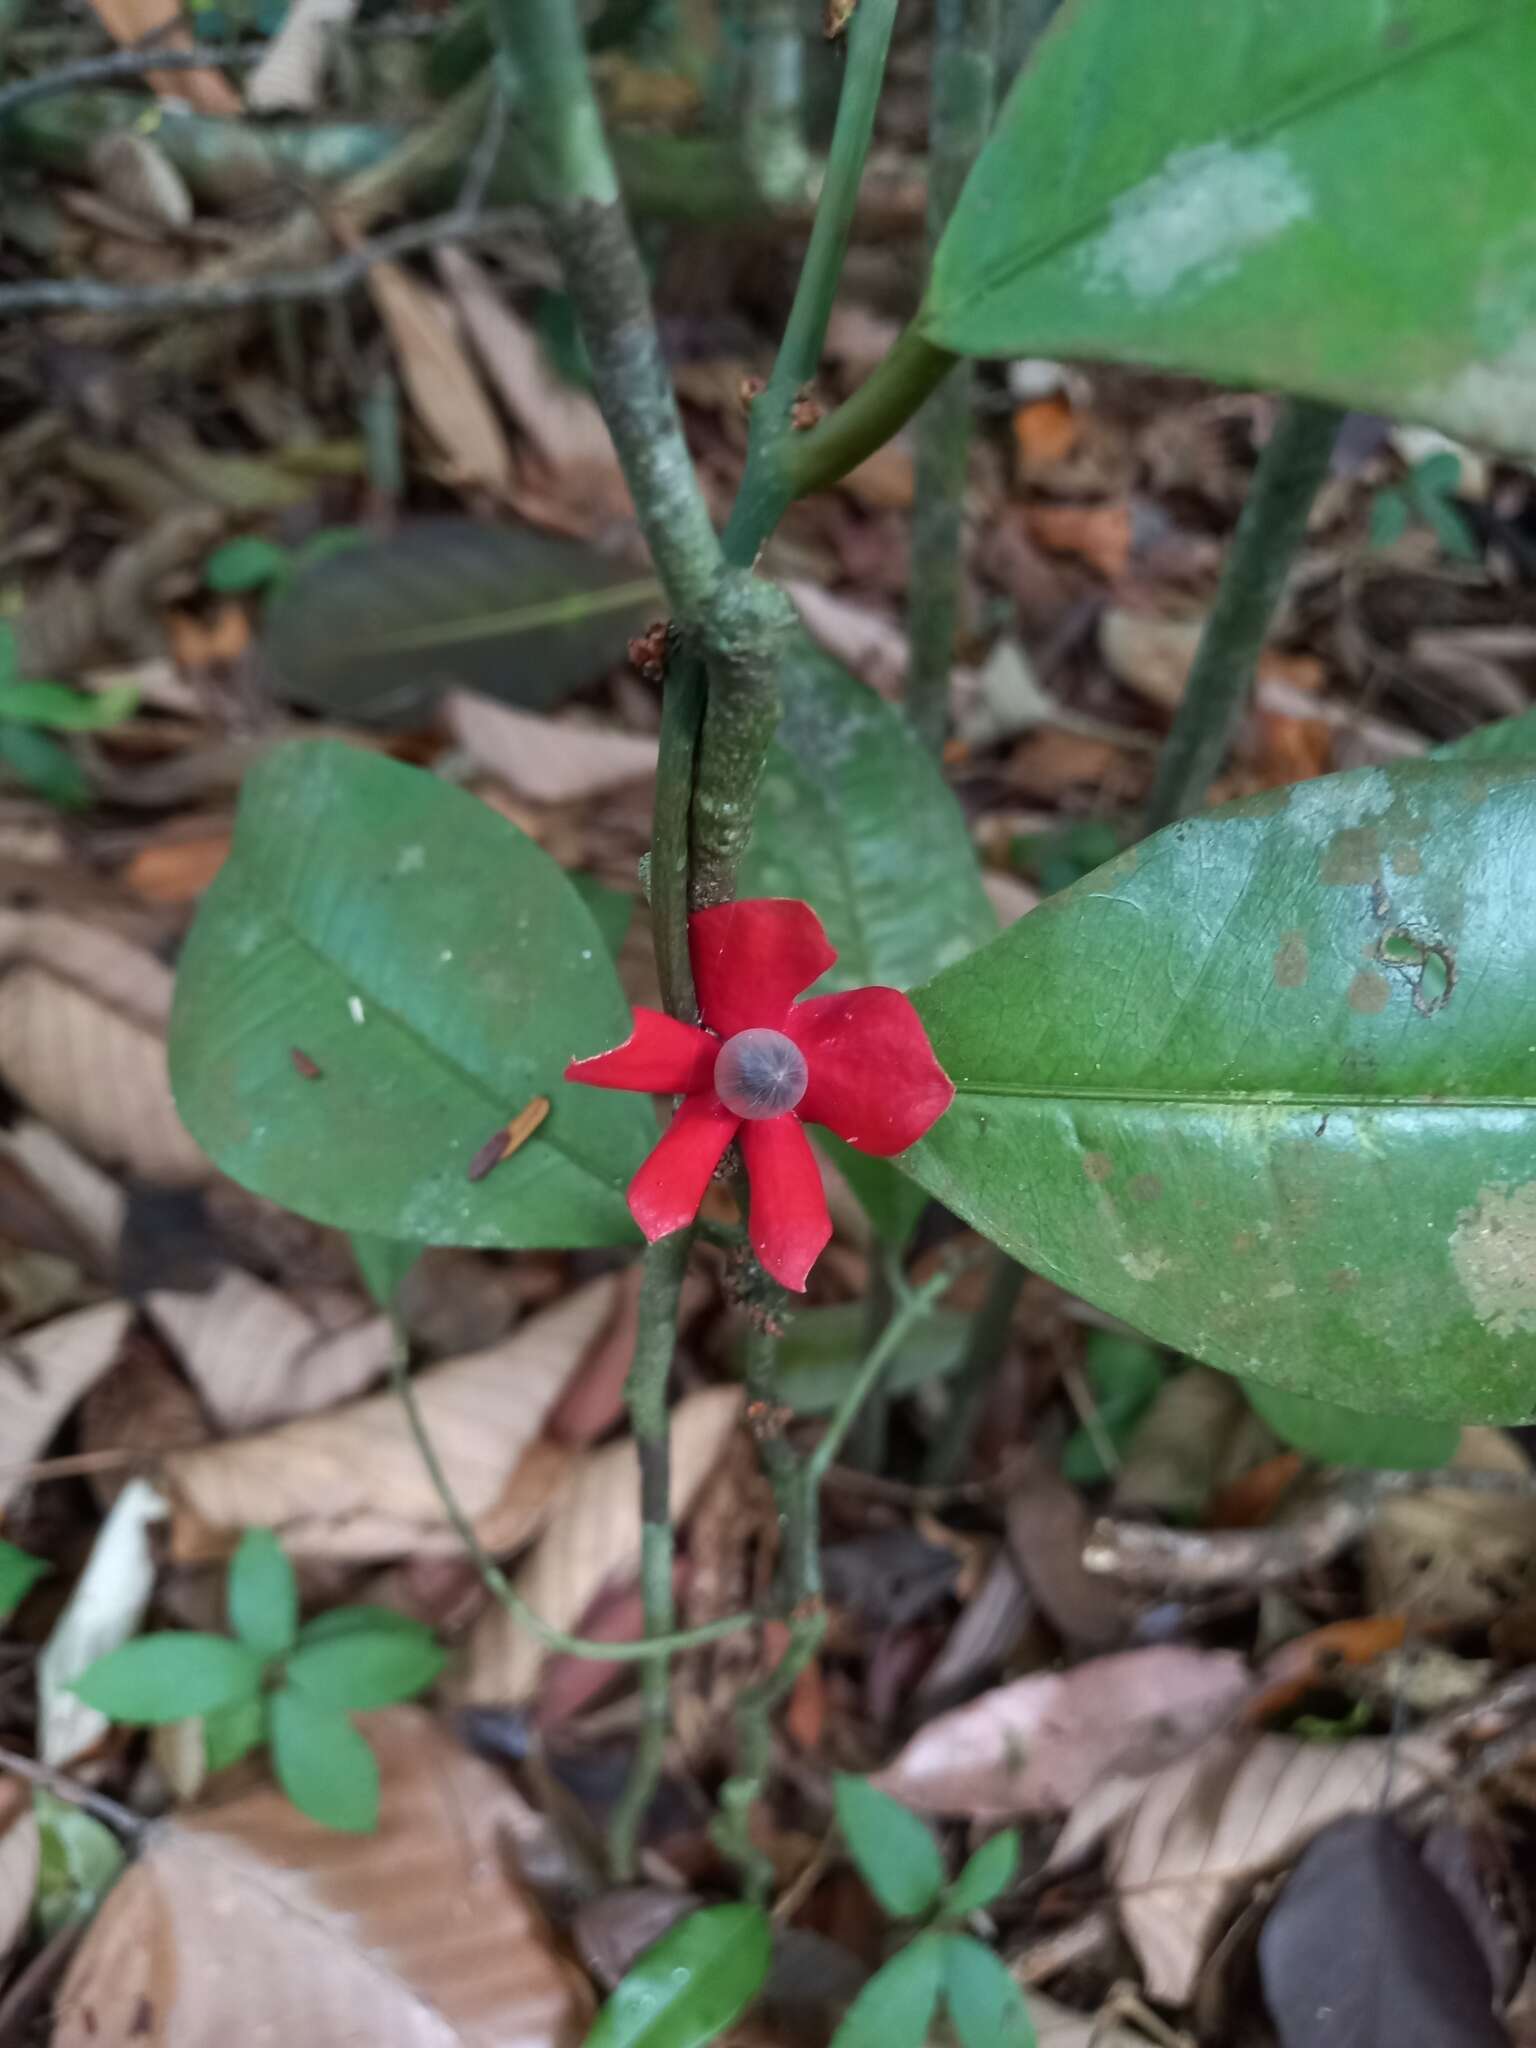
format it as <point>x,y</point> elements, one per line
<point>872,1075</point>
<point>789,1221</point>
<point>750,960</point>
<point>661,1056</point>
<point>666,1192</point>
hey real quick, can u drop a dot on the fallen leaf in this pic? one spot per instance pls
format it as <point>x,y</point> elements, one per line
<point>92,1205</point>
<point>415,1935</point>
<point>1453,1556</point>
<point>44,1373</point>
<point>351,1482</point>
<point>214,643</point>
<point>1056,2026</point>
<point>567,475</point>
<point>1365,1948</point>
<point>138,1411</point>
<point>568,1684</point>
<point>1039,1744</point>
<point>177,870</point>
<point>1050,762</point>
<point>20,1857</point>
<point>1315,1659</point>
<point>1186,1843</point>
<point>546,760</point>
<point>441,382</point>
<point>110,1599</point>
<point>1048,1525</point>
<point>593,1399</point>
<point>288,76</point>
<point>592,1539</point>
<point>1045,432</point>
<point>1099,535</point>
<point>160,23</point>
<point>884,481</point>
<point>1252,1500</point>
<point>865,641</point>
<point>1197,1437</point>
<point>256,1357</point>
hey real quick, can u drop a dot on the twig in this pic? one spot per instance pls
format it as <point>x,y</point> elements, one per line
<point>964,76</point>
<point>1272,527</point>
<point>117,1816</point>
<point>118,64</point>
<point>1146,1556</point>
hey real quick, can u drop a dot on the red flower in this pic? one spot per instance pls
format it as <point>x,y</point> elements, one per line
<point>859,1063</point>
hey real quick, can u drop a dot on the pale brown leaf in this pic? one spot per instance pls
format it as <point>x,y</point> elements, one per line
<point>288,76</point>
<point>1048,1524</point>
<point>162,23</point>
<point>251,1924</point>
<point>863,640</point>
<point>20,1854</point>
<point>44,1373</point>
<point>568,475</point>
<point>1450,1556</point>
<point>1198,1436</point>
<point>440,380</point>
<point>1039,1744</point>
<point>546,760</point>
<point>351,1483</point>
<point>89,1202</point>
<point>256,1357</point>
<point>1056,2026</point>
<point>593,1538</point>
<point>1187,1842</point>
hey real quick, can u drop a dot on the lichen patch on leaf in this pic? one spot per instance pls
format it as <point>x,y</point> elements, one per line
<point>1493,1249</point>
<point>1195,218</point>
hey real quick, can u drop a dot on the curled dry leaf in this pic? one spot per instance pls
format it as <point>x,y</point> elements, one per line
<point>593,1538</point>
<point>1186,1842</point>
<point>546,760</point>
<point>110,1599</point>
<point>440,379</point>
<point>250,1923</point>
<point>1039,1744</point>
<point>43,1375</point>
<point>257,1357</point>
<point>351,1483</point>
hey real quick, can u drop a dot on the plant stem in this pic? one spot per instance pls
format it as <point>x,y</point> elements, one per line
<point>682,714</point>
<point>984,1347</point>
<point>1273,525</point>
<point>964,81</point>
<point>770,98</point>
<point>883,404</point>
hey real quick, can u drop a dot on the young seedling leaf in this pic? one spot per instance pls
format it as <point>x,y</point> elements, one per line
<point>19,1573</point>
<point>233,1732</point>
<point>439,970</point>
<point>80,1857</point>
<point>366,1667</point>
<point>1390,517</point>
<point>691,1985</point>
<point>170,1677</point>
<point>985,2004</point>
<point>263,1595</point>
<point>1340,1436</point>
<point>1242,211</point>
<point>897,1856</point>
<point>50,704</point>
<point>365,1618</point>
<point>45,766</point>
<point>896,2007</point>
<point>1301,1139</point>
<point>988,1873</point>
<point>247,563</point>
<point>323,1764</point>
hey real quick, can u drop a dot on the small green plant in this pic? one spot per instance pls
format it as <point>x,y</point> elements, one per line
<point>697,1980</point>
<point>31,711</point>
<point>1426,497</point>
<point>19,1573</point>
<point>251,562</point>
<point>275,1682</point>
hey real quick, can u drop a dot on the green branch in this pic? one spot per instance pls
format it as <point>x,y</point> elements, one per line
<point>1274,523</point>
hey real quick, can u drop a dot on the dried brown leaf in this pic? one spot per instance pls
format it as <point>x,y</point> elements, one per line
<point>1039,1744</point>
<point>1196,1438</point>
<point>20,1854</point>
<point>89,1203</point>
<point>249,1923</point>
<point>862,639</point>
<point>1188,1841</point>
<point>546,760</point>
<point>568,475</point>
<point>1452,1556</point>
<point>160,23</point>
<point>592,1539</point>
<point>441,381</point>
<point>351,1483</point>
<point>257,1357</point>
<point>43,1375</point>
<point>1048,1524</point>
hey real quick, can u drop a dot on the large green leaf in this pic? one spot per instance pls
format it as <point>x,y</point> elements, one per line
<point>1328,195</point>
<point>438,970</point>
<point>1343,1436</point>
<point>1265,1086</point>
<point>687,1988</point>
<point>374,632</point>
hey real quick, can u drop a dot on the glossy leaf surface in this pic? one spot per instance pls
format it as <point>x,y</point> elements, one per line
<point>688,1987</point>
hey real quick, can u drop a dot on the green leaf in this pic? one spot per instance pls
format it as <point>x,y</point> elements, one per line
<point>613,911</point>
<point>263,1595</point>
<point>1317,198</point>
<point>384,1263</point>
<point>366,1667</point>
<point>376,631</point>
<point>1390,518</point>
<point>246,564</point>
<point>897,1857</point>
<point>440,971</point>
<point>172,1676</point>
<point>854,817</point>
<point>1342,1436</point>
<point>78,1861</point>
<point>1452,530</point>
<point>365,1618</point>
<point>893,1204</point>
<point>19,1573</point>
<point>233,1732</point>
<point>1279,1110</point>
<point>45,766</point>
<point>688,1987</point>
<point>1124,1374</point>
<point>1505,739</point>
<point>1436,476</point>
<point>10,656</point>
<point>896,2007</point>
<point>986,2005</point>
<point>323,1764</point>
<point>50,704</point>
<point>824,1348</point>
<point>989,1872</point>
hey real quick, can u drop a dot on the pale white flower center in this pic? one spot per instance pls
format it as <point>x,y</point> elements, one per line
<point>760,1073</point>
